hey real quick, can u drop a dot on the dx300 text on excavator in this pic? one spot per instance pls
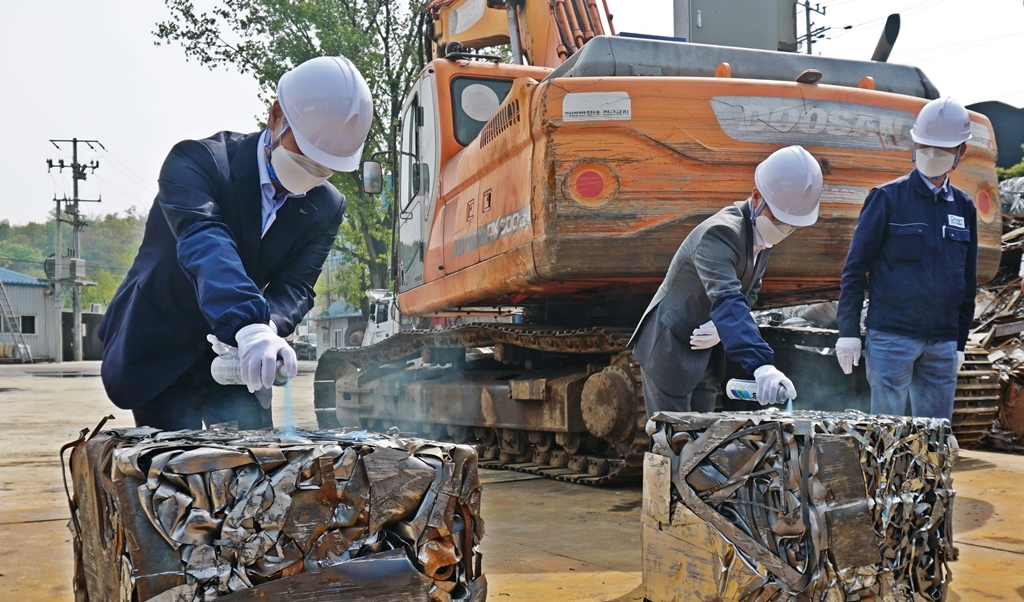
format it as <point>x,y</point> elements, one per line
<point>556,189</point>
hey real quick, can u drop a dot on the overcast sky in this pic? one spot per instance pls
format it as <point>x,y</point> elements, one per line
<point>90,70</point>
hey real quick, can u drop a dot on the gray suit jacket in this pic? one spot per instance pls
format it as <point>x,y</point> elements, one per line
<point>715,262</point>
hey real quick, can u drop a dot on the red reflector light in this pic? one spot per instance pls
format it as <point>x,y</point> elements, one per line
<point>589,184</point>
<point>984,200</point>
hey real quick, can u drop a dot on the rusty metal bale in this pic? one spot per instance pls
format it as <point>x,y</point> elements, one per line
<point>237,515</point>
<point>797,507</point>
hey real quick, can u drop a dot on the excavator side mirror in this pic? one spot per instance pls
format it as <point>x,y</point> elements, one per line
<point>373,177</point>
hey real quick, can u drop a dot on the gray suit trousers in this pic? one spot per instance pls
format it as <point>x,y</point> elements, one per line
<point>701,399</point>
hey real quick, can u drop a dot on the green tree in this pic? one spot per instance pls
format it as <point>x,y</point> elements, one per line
<point>1013,171</point>
<point>21,258</point>
<point>109,245</point>
<point>265,38</point>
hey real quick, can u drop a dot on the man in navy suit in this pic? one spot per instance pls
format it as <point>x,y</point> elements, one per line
<point>233,245</point>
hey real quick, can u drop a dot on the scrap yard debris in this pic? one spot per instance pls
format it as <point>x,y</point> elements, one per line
<point>186,516</point>
<point>804,506</point>
<point>999,329</point>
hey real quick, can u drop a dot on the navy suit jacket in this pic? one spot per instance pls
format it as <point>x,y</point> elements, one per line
<point>203,268</point>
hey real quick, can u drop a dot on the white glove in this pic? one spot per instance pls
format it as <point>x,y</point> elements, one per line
<point>848,353</point>
<point>258,349</point>
<point>960,357</point>
<point>769,380</point>
<point>704,336</point>
<point>221,348</point>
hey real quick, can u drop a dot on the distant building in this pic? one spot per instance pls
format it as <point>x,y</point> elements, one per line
<point>32,304</point>
<point>339,327</point>
<point>1008,122</point>
<point>92,347</point>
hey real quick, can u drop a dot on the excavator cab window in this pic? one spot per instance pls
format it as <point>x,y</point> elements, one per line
<point>474,101</point>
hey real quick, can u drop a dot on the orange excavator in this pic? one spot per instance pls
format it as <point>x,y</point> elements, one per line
<point>540,200</point>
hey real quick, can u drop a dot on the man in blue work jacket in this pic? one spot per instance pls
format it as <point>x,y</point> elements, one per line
<point>915,250</point>
<point>233,245</point>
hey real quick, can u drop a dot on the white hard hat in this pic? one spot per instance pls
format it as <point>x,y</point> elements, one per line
<point>329,109</point>
<point>942,122</point>
<point>790,182</point>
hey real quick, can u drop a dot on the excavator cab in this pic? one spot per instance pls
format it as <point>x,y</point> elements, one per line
<point>416,185</point>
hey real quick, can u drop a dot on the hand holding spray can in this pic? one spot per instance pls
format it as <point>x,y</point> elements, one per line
<point>746,390</point>
<point>227,370</point>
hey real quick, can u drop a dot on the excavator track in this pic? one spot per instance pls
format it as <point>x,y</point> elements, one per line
<point>580,467</point>
<point>975,407</point>
<point>411,343</point>
<point>620,463</point>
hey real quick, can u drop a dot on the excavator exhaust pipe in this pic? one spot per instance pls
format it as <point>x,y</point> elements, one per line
<point>887,39</point>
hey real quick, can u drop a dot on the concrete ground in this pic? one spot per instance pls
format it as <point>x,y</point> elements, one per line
<point>545,540</point>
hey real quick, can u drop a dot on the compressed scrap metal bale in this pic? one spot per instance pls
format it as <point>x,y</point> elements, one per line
<point>201,515</point>
<point>805,506</point>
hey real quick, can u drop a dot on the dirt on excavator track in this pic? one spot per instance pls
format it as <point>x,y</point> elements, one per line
<point>573,459</point>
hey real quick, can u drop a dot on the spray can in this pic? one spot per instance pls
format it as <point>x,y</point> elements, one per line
<point>746,390</point>
<point>227,370</point>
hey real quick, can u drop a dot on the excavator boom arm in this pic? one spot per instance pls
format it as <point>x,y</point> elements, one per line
<point>541,32</point>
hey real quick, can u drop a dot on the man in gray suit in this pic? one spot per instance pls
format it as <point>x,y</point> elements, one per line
<point>713,282</point>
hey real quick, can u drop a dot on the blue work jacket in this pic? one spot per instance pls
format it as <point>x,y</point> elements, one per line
<point>917,255</point>
<point>203,267</point>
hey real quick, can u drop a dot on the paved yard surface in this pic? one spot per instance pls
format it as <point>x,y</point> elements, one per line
<point>546,540</point>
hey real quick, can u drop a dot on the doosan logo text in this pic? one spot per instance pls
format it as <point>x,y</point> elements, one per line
<point>813,122</point>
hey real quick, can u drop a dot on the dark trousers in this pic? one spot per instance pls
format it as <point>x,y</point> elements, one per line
<point>701,399</point>
<point>195,398</point>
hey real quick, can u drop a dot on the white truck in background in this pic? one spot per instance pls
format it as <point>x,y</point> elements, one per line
<point>384,319</point>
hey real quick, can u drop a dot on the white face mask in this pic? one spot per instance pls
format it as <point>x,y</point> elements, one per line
<point>934,162</point>
<point>297,173</point>
<point>770,232</point>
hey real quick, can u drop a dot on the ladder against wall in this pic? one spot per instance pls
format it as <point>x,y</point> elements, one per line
<point>13,327</point>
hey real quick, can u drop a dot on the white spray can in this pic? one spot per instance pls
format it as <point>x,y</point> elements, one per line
<point>746,390</point>
<point>227,370</point>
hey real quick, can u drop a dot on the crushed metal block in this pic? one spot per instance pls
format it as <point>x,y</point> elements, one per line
<point>797,507</point>
<point>186,516</point>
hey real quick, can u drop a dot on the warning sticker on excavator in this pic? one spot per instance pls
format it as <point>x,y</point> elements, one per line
<point>597,106</point>
<point>812,122</point>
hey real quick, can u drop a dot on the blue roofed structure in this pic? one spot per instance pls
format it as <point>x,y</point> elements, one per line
<point>17,278</point>
<point>32,305</point>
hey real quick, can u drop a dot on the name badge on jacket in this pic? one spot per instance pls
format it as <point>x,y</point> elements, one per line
<point>956,221</point>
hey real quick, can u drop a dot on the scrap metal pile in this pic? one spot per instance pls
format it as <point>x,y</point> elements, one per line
<point>999,330</point>
<point>804,506</point>
<point>236,515</point>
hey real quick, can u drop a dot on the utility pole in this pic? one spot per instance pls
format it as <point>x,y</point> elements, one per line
<point>811,32</point>
<point>74,280</point>
<point>329,254</point>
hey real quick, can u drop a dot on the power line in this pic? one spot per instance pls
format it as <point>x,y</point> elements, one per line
<point>128,172</point>
<point>108,155</point>
<point>979,42</point>
<point>121,191</point>
<point>909,10</point>
<point>102,266</point>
